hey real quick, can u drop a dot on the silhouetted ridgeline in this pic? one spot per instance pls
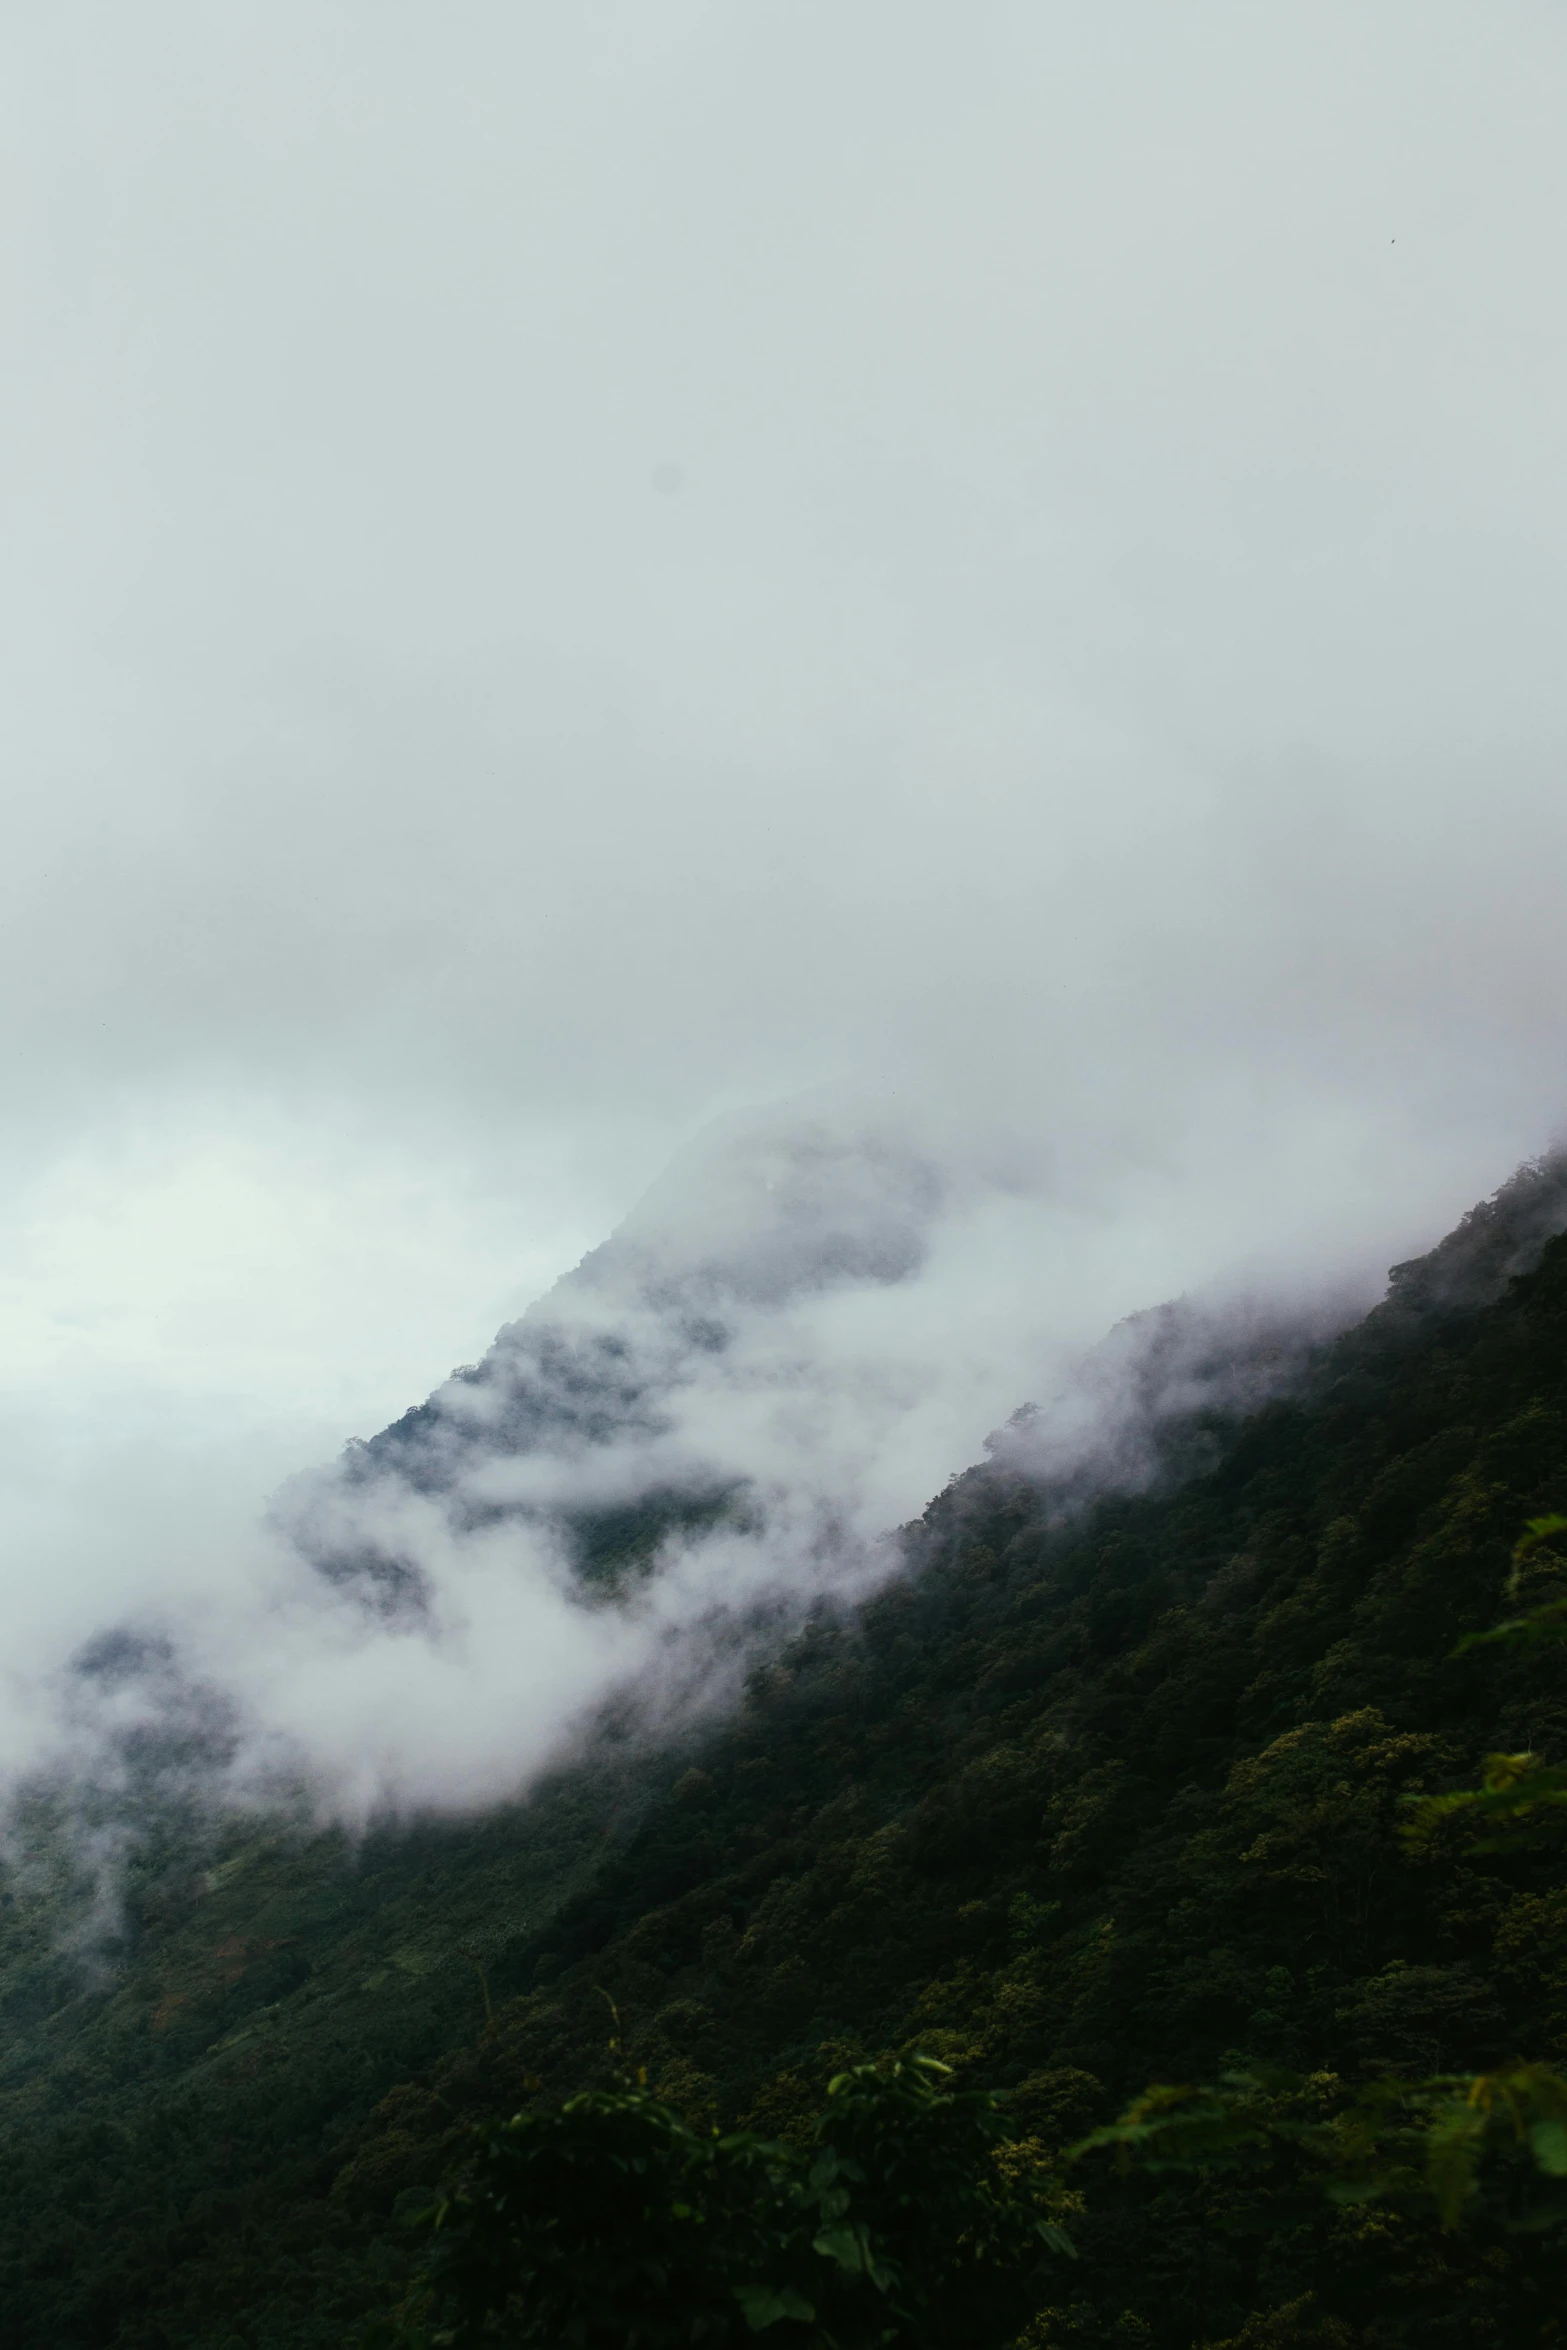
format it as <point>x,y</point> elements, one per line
<point>1093,1795</point>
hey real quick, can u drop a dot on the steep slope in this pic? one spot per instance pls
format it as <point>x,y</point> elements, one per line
<point>636,1405</point>
<point>1100,1789</point>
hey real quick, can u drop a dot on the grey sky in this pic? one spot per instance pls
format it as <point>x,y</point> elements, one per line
<point>565,570</point>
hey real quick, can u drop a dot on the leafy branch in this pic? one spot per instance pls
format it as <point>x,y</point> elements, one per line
<point>605,2222</point>
<point>1428,2145</point>
<point>1518,1792</point>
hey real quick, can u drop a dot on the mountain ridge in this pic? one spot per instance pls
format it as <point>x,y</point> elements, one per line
<point>1098,1789</point>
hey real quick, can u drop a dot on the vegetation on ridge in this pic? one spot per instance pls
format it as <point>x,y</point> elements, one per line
<point>1079,1804</point>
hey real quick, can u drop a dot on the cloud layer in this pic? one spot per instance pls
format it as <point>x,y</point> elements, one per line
<point>714,1423</point>
<point>570,572</point>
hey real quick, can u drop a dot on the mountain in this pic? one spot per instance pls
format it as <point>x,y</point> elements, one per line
<point>591,1421</point>
<point>1101,1785</point>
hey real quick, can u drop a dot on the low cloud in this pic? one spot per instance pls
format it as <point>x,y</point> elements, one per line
<point>997,577</point>
<point>716,1422</point>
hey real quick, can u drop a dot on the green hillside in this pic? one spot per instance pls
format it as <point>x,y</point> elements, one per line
<point>1092,1795</point>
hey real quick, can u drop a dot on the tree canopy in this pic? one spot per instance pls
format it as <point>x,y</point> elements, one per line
<point>1184,1786</point>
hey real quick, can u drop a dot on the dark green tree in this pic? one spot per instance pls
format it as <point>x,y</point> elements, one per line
<point>604,2222</point>
<point>1483,2153</point>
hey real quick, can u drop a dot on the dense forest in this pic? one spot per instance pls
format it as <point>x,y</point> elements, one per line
<point>1103,1790</point>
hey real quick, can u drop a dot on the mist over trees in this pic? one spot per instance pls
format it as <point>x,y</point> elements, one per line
<point>1164,1786</point>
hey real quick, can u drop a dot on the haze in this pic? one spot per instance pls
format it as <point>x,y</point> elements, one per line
<point>569,572</point>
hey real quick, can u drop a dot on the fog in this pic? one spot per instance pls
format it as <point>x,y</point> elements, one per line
<point>711,1426</point>
<point>571,575</point>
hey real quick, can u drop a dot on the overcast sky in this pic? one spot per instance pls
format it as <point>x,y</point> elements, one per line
<point>568,570</point>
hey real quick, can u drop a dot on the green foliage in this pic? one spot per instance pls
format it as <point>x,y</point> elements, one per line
<point>1542,1624</point>
<point>1449,2144</point>
<point>1101,1791</point>
<point>1439,2146</point>
<point>603,2222</point>
<point>1516,1791</point>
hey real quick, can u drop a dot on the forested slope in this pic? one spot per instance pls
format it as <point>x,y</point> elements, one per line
<point>1089,1797</point>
